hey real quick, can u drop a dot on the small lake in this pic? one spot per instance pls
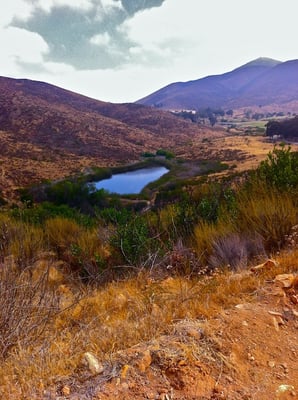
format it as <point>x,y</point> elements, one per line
<point>131,182</point>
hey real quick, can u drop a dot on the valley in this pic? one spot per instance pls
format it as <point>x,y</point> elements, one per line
<point>163,294</point>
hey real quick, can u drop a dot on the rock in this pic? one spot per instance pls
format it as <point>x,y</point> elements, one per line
<point>266,265</point>
<point>275,313</point>
<point>125,386</point>
<point>189,328</point>
<point>275,324</point>
<point>284,389</point>
<point>295,282</point>
<point>65,391</point>
<point>294,298</point>
<point>295,313</point>
<point>271,364</point>
<point>93,365</point>
<point>280,321</point>
<point>284,280</point>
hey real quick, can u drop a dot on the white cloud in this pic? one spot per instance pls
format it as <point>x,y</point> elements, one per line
<point>23,46</point>
<point>103,39</point>
<point>144,49</point>
<point>14,8</point>
<point>47,5</point>
<point>111,3</point>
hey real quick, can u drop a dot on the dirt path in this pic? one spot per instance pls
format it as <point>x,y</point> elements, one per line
<point>249,352</point>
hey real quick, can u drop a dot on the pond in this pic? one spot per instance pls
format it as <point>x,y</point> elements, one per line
<point>131,182</point>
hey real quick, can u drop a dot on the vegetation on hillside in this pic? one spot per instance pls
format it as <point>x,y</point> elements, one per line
<point>73,282</point>
<point>287,128</point>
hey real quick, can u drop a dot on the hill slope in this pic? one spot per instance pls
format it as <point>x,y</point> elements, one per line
<point>48,132</point>
<point>260,82</point>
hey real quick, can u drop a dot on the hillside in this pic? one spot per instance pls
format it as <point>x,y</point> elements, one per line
<point>258,83</point>
<point>47,132</point>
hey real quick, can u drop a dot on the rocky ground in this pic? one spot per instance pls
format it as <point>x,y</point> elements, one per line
<point>247,352</point>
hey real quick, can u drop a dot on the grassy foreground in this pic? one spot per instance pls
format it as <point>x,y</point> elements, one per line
<point>50,324</point>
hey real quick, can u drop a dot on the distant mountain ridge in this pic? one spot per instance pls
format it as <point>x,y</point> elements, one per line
<point>263,81</point>
<point>48,115</point>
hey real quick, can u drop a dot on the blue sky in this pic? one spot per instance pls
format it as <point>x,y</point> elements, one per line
<point>122,50</point>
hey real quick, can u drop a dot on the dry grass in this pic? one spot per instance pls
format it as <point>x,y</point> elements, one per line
<point>206,234</point>
<point>27,306</point>
<point>118,316</point>
<point>270,215</point>
<point>245,152</point>
<point>21,240</point>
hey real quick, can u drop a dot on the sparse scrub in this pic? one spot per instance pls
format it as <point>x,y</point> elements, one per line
<point>27,307</point>
<point>206,235</point>
<point>21,240</point>
<point>118,316</point>
<point>84,249</point>
<point>270,215</point>
<point>62,234</point>
<point>235,251</point>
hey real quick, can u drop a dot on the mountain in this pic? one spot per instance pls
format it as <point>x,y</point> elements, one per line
<point>47,132</point>
<point>260,82</point>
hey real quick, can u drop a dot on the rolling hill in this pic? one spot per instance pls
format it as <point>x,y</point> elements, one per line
<point>261,82</point>
<point>47,132</point>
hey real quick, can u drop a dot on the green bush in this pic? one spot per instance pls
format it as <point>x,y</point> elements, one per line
<point>280,169</point>
<point>165,153</point>
<point>131,237</point>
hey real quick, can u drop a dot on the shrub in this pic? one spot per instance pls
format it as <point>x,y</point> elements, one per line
<point>235,250</point>
<point>90,253</point>
<point>165,153</point>
<point>26,244</point>
<point>82,248</point>
<point>21,240</point>
<point>269,214</point>
<point>280,169</point>
<point>38,214</point>
<point>206,234</point>
<point>62,233</point>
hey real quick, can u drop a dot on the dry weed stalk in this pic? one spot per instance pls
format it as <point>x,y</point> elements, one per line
<point>27,306</point>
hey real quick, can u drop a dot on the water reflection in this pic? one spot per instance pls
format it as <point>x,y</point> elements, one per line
<point>131,182</point>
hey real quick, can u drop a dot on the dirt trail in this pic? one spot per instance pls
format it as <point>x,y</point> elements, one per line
<point>249,352</point>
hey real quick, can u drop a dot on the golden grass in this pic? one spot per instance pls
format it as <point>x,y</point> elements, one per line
<point>206,234</point>
<point>21,240</point>
<point>249,150</point>
<point>120,315</point>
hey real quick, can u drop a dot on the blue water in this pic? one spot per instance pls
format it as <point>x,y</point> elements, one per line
<point>131,182</point>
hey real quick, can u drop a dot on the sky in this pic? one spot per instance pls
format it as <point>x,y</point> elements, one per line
<point>123,50</point>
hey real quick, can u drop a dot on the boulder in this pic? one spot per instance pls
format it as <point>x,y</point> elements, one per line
<point>265,266</point>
